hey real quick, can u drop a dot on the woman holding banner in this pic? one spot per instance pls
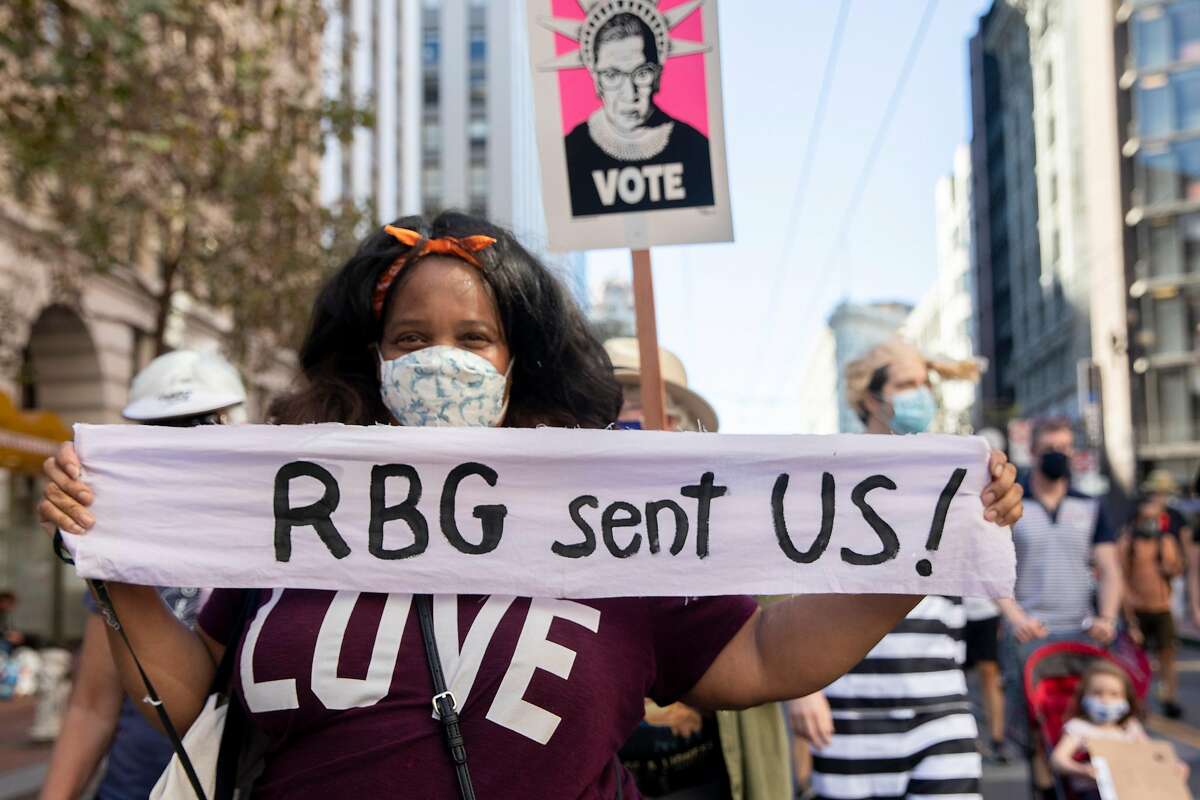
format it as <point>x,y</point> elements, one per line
<point>898,724</point>
<point>450,321</point>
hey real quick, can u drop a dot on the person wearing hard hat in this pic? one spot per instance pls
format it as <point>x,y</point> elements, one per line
<point>183,388</point>
<point>679,752</point>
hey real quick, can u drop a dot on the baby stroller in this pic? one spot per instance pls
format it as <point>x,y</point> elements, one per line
<point>1052,674</point>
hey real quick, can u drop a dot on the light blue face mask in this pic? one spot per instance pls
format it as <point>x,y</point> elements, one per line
<point>913,410</point>
<point>1104,712</point>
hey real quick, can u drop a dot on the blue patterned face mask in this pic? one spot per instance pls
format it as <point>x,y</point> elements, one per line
<point>442,387</point>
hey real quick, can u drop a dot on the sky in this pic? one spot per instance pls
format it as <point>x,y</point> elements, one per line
<point>743,316</point>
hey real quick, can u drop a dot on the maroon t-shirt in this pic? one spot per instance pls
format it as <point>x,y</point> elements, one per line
<point>548,690</point>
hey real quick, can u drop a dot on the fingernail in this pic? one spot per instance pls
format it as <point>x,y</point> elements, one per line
<point>989,498</point>
<point>990,516</point>
<point>88,519</point>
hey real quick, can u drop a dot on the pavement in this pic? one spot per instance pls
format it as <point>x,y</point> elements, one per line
<point>23,763</point>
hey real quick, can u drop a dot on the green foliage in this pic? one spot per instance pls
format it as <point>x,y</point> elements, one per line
<point>179,139</point>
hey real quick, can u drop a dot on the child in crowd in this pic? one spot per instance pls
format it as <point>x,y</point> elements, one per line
<point>1150,559</point>
<point>1105,707</point>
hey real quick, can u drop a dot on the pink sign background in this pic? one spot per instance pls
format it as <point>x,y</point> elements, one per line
<point>683,94</point>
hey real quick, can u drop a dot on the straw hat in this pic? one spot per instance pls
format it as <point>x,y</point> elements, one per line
<point>627,362</point>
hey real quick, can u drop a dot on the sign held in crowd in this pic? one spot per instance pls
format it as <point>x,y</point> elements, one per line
<point>627,97</point>
<point>545,512</point>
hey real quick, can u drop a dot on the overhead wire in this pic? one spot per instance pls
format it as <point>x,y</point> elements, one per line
<point>876,147</point>
<point>806,164</point>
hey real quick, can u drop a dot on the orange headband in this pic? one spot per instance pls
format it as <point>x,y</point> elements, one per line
<point>464,249</point>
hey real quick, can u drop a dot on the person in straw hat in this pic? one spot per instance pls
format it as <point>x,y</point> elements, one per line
<point>899,723</point>
<point>686,410</point>
<point>679,752</point>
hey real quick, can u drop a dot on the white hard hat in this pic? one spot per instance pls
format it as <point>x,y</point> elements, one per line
<point>184,383</point>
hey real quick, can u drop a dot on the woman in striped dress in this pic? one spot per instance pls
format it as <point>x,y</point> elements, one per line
<point>898,725</point>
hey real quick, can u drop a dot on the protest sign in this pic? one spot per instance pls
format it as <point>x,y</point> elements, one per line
<point>627,98</point>
<point>542,512</point>
<point>1135,770</point>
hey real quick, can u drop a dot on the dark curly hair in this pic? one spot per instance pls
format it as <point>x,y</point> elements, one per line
<point>561,375</point>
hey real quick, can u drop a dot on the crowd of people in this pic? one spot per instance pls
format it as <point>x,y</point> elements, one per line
<point>670,698</point>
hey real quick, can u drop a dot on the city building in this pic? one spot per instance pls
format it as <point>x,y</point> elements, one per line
<point>612,314</point>
<point>818,411</point>
<point>1052,307</point>
<point>72,336</point>
<point>1005,235</point>
<point>1159,122</point>
<point>450,99</point>
<point>943,322</point>
<point>1049,251</point>
<point>856,328</point>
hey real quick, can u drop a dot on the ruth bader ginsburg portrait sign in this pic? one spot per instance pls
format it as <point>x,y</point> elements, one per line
<point>627,95</point>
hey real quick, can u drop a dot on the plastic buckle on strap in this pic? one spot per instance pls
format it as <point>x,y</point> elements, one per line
<point>446,695</point>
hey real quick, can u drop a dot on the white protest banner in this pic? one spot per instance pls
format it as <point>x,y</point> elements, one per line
<point>543,512</point>
<point>630,123</point>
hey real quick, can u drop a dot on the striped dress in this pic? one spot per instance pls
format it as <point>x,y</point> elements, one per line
<point>903,727</point>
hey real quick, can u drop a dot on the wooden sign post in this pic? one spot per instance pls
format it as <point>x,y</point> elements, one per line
<point>650,373</point>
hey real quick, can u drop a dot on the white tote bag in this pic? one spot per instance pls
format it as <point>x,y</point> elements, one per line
<point>202,743</point>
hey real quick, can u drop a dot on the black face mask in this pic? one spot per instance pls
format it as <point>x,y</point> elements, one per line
<point>1055,465</point>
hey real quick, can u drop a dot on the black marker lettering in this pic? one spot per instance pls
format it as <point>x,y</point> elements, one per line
<point>316,515</point>
<point>887,536</point>
<point>925,566</point>
<point>681,525</point>
<point>705,492</point>
<point>609,521</point>
<point>382,513</point>
<point>817,549</point>
<point>588,545</point>
<point>491,517</point>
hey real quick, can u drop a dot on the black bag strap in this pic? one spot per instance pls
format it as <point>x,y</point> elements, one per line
<point>444,704</point>
<point>233,735</point>
<point>114,622</point>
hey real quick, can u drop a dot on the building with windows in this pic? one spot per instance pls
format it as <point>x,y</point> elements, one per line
<point>450,95</point>
<point>1053,253</point>
<point>1159,115</point>
<point>943,322</point>
<point>1005,242</point>
<point>1031,240</point>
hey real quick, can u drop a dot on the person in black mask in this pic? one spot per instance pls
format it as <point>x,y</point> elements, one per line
<point>1062,537</point>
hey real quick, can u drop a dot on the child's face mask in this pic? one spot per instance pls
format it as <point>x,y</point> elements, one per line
<point>1104,711</point>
